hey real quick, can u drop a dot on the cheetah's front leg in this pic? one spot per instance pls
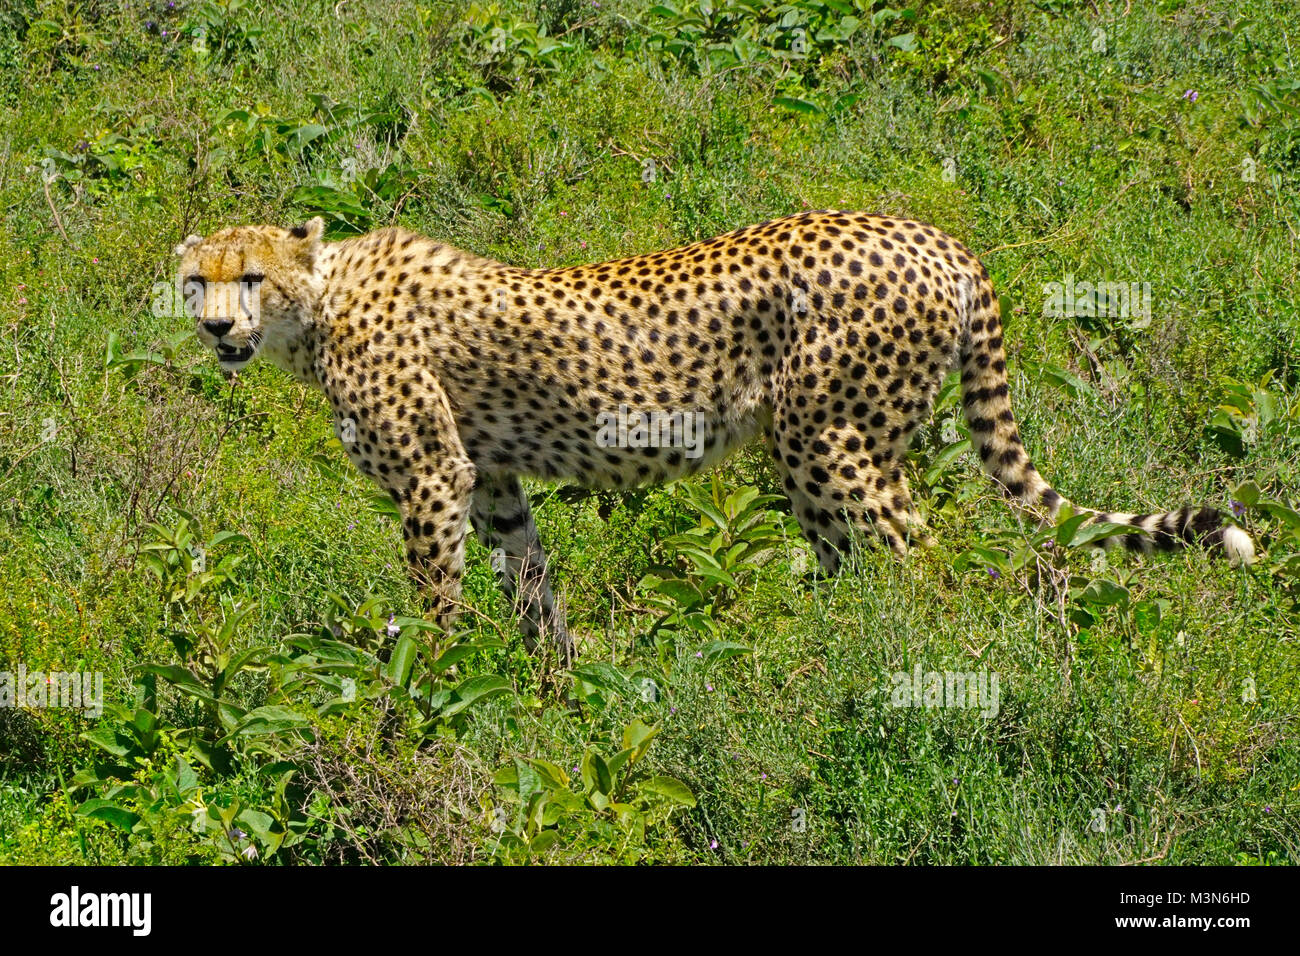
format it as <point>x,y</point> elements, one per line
<point>504,523</point>
<point>434,508</point>
<point>420,461</point>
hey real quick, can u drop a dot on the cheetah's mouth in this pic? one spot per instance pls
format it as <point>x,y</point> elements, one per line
<point>234,356</point>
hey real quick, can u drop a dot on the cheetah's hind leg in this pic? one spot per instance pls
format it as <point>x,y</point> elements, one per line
<point>833,502</point>
<point>504,524</point>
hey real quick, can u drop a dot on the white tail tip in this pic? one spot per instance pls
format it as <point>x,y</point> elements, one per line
<point>1238,546</point>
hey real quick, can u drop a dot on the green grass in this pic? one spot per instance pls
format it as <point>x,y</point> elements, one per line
<point>1002,123</point>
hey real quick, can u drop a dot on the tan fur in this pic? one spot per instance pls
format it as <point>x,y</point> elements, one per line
<point>829,332</point>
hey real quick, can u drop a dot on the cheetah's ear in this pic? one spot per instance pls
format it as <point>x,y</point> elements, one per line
<point>310,231</point>
<point>189,243</point>
<point>306,238</point>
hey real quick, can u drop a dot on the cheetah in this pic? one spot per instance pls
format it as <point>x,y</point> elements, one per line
<point>451,376</point>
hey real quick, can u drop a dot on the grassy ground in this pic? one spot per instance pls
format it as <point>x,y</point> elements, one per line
<point>1147,710</point>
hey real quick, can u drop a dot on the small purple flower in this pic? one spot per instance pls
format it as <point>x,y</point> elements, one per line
<point>994,573</point>
<point>672,710</point>
<point>709,688</point>
<point>1268,809</point>
<point>699,653</point>
<point>1191,96</point>
<point>713,844</point>
<point>393,629</point>
<point>1238,509</point>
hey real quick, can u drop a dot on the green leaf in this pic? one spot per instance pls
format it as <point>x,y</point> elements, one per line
<point>224,537</point>
<point>526,779</point>
<point>272,719</point>
<point>617,762</point>
<point>671,788</point>
<point>108,811</point>
<point>797,105</point>
<point>604,675</point>
<point>248,659</point>
<point>721,650</point>
<point>544,841</point>
<point>186,778</point>
<point>473,690</point>
<point>1288,516</point>
<point>108,740</point>
<point>1104,592</point>
<point>945,458</point>
<point>1247,493</point>
<point>398,669</point>
<point>596,777</point>
<point>682,592</point>
<point>1066,530</point>
<point>299,139</point>
<point>1072,384</point>
<point>385,506</point>
<point>1095,531</point>
<point>637,733</point>
<point>258,823</point>
<point>551,776</point>
<point>453,655</point>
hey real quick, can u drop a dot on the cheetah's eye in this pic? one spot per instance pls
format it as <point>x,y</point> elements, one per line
<point>193,291</point>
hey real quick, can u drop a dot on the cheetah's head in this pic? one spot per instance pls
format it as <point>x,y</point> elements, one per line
<point>252,289</point>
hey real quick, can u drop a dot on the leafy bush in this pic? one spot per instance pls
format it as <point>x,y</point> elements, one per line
<point>713,562</point>
<point>615,804</point>
<point>168,764</point>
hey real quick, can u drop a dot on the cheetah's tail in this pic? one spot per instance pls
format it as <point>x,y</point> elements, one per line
<point>987,405</point>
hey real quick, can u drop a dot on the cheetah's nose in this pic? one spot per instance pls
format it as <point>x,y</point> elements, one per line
<point>218,327</point>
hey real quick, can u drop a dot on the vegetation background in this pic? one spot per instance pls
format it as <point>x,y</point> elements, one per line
<point>272,694</point>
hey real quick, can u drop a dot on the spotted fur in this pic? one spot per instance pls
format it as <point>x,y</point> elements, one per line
<point>828,333</point>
